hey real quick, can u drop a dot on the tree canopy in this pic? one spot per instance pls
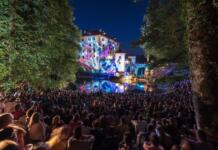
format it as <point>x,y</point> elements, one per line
<point>38,43</point>
<point>164,31</point>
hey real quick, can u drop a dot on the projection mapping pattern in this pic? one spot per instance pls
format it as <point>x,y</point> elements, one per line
<point>99,55</point>
<point>103,86</point>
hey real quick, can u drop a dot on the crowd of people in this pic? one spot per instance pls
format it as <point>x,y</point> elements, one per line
<point>67,120</point>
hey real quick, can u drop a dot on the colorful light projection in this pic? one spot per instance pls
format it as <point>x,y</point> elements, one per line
<point>106,86</point>
<point>89,55</point>
<point>103,86</point>
<point>99,56</point>
<point>108,66</point>
<point>120,62</point>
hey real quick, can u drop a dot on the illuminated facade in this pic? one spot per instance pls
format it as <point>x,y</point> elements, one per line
<point>99,53</point>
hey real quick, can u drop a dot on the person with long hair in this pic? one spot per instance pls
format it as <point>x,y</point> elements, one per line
<point>76,122</point>
<point>28,114</point>
<point>56,122</point>
<point>36,129</point>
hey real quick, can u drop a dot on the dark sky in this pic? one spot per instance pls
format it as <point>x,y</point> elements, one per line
<point>119,18</point>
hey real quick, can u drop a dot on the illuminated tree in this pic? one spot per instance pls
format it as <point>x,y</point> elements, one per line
<point>202,31</point>
<point>4,37</point>
<point>38,43</point>
<point>163,31</point>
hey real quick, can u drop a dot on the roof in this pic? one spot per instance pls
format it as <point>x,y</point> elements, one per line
<point>98,32</point>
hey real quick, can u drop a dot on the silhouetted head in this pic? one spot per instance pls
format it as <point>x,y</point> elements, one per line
<point>35,118</point>
<point>6,119</point>
<point>78,133</point>
<point>8,145</point>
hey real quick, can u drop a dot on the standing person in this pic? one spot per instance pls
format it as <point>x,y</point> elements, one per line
<point>36,129</point>
<point>59,138</point>
<point>98,135</point>
<point>18,112</point>
<point>2,106</point>
<point>79,141</point>
<point>128,142</point>
<point>9,131</point>
<point>122,128</point>
<point>20,133</point>
<point>76,122</point>
<point>139,124</point>
<point>29,113</point>
<point>56,122</point>
<point>153,143</point>
<point>6,131</point>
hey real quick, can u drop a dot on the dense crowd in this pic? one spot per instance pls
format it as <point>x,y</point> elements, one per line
<point>66,120</point>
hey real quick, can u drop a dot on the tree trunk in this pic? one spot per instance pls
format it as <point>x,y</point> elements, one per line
<point>203,50</point>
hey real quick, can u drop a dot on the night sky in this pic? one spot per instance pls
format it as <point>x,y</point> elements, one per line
<point>121,19</point>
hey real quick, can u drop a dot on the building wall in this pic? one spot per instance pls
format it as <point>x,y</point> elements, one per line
<point>98,53</point>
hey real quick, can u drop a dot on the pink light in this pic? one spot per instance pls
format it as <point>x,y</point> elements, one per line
<point>105,53</point>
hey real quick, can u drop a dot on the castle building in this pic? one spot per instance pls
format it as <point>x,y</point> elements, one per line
<point>99,53</point>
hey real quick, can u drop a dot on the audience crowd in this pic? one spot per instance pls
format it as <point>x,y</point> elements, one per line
<point>67,120</point>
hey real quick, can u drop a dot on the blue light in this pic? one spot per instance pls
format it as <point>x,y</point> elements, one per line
<point>93,55</point>
<point>140,86</point>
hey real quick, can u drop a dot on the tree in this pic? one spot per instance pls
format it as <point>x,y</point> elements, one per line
<point>202,41</point>
<point>63,40</point>
<point>163,32</point>
<point>202,32</point>
<point>42,43</point>
<point>4,36</point>
<point>27,37</point>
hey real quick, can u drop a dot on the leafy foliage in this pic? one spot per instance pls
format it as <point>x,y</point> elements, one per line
<point>169,79</point>
<point>202,41</point>
<point>38,43</point>
<point>163,31</point>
